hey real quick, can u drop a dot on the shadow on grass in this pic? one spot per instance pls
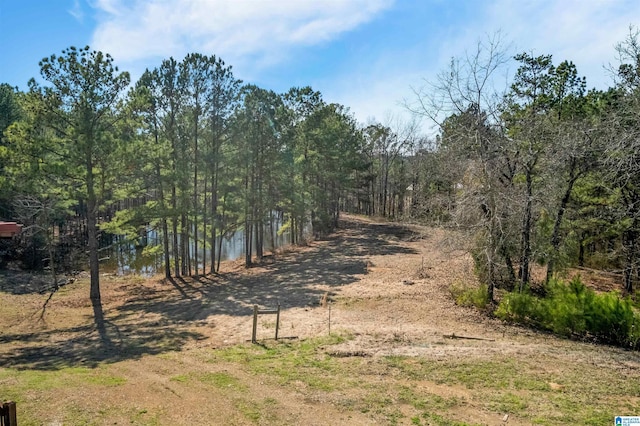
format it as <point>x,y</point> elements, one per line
<point>297,279</point>
<point>154,321</point>
<point>23,282</point>
<point>88,349</point>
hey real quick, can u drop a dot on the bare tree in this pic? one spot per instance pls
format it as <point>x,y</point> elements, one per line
<point>622,153</point>
<point>464,104</point>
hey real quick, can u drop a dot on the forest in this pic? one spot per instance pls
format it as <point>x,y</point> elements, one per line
<point>541,174</point>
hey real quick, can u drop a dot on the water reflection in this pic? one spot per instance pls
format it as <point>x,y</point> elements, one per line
<point>145,257</point>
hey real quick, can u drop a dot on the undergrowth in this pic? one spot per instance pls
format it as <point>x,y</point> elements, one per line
<point>464,295</point>
<point>572,309</point>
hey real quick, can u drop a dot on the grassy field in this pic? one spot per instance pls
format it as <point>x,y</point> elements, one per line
<point>177,352</point>
<point>252,381</point>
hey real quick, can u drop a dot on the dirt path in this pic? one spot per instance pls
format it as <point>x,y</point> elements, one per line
<point>385,285</point>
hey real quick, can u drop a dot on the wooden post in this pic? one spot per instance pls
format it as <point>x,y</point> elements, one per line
<point>8,414</point>
<point>255,323</point>
<point>257,312</point>
<point>329,319</point>
<point>13,414</point>
<point>277,321</point>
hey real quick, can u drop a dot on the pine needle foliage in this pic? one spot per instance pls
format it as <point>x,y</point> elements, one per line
<point>574,310</point>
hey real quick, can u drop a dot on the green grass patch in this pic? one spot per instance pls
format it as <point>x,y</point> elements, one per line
<point>250,410</point>
<point>39,380</point>
<point>508,403</point>
<point>222,380</point>
<point>548,389</point>
<point>259,412</point>
<point>408,395</point>
<point>495,374</point>
<point>432,419</point>
<point>181,378</point>
<point>582,393</point>
<point>302,361</point>
<point>25,387</point>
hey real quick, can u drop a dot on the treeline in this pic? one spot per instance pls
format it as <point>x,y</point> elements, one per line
<point>543,172</point>
<point>188,150</point>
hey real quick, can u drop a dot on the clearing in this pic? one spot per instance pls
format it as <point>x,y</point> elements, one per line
<point>371,336</point>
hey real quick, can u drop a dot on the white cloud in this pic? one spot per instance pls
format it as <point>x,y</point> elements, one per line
<point>583,31</point>
<point>76,11</point>
<point>254,34</point>
<point>108,6</point>
<point>135,30</point>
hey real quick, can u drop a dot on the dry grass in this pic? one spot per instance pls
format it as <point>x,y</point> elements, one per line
<point>176,352</point>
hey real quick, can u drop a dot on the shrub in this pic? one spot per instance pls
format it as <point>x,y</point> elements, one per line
<point>521,308</point>
<point>573,309</point>
<point>470,296</point>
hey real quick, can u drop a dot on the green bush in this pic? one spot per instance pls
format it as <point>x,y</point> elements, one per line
<point>470,296</point>
<point>574,310</point>
<point>522,308</point>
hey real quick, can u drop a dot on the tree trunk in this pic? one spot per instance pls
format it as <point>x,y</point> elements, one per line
<point>184,238</point>
<point>526,232</point>
<point>92,234</point>
<point>272,231</point>
<point>204,225</point>
<point>93,256</point>
<point>174,224</point>
<point>630,238</point>
<point>222,219</point>
<point>214,206</point>
<point>555,237</point>
<point>195,193</point>
<point>259,239</point>
<point>248,238</point>
<point>165,228</point>
<point>385,189</point>
<point>489,249</point>
<point>214,221</point>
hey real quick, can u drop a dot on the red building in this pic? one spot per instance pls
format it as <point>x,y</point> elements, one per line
<point>10,229</point>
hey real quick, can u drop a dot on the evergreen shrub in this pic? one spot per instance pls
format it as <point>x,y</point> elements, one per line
<point>470,296</point>
<point>572,309</point>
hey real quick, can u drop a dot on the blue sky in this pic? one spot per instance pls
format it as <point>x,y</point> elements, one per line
<point>365,54</point>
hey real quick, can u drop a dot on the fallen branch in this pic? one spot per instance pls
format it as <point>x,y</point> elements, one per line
<point>52,290</point>
<point>279,338</point>
<point>453,336</point>
<point>348,354</point>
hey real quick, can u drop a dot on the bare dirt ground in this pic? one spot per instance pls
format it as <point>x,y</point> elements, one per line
<point>384,285</point>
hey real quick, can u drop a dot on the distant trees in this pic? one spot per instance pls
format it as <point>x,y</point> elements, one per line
<point>229,157</point>
<point>10,112</point>
<point>187,106</point>
<point>467,108</point>
<point>544,169</point>
<point>384,184</point>
<point>189,152</point>
<point>533,168</point>
<point>622,154</point>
